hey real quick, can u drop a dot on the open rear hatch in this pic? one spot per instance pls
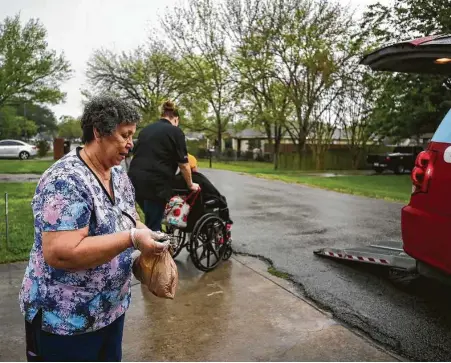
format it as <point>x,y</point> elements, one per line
<point>429,55</point>
<point>426,220</point>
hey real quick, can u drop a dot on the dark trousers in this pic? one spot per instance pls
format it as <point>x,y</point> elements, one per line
<point>153,212</point>
<point>103,345</point>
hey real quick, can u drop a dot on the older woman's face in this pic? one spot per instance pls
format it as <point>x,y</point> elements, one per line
<point>117,146</point>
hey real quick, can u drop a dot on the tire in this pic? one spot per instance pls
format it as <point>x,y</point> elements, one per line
<point>180,236</point>
<point>24,155</point>
<point>379,170</point>
<point>208,235</point>
<point>399,169</point>
<point>228,253</point>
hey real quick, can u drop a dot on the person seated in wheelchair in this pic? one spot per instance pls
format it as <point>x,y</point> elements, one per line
<point>211,197</point>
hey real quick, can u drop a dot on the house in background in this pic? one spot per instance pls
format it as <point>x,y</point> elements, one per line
<point>249,139</point>
<point>422,140</point>
<point>194,136</point>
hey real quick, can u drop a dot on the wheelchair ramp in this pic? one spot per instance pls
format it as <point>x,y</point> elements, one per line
<point>389,253</point>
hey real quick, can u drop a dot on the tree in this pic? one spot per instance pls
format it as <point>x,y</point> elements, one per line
<point>194,107</point>
<point>263,98</point>
<point>424,96</point>
<point>196,33</point>
<point>69,128</point>
<point>359,114</point>
<point>146,76</point>
<point>323,128</point>
<point>42,116</point>
<point>410,105</point>
<point>408,18</point>
<point>313,42</point>
<point>28,69</point>
<point>15,126</point>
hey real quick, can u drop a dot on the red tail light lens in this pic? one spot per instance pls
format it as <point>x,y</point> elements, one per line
<point>387,158</point>
<point>423,170</point>
<point>424,158</point>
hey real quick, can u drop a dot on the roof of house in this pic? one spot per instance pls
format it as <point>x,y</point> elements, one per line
<point>194,135</point>
<point>339,134</point>
<point>247,134</point>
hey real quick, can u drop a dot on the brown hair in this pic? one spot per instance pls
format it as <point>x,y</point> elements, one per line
<point>169,109</point>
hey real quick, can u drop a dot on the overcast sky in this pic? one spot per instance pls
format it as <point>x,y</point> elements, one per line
<point>78,27</point>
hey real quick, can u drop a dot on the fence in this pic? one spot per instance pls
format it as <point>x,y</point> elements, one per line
<point>4,227</point>
<point>337,158</point>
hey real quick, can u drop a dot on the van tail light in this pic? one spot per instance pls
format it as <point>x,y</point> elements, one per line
<point>423,171</point>
<point>387,158</point>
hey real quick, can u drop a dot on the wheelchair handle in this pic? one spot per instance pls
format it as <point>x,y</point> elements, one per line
<point>196,193</point>
<point>192,193</point>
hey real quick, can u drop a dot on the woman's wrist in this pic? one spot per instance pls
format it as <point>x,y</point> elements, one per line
<point>133,240</point>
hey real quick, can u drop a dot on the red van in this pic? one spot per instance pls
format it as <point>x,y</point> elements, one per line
<point>426,221</point>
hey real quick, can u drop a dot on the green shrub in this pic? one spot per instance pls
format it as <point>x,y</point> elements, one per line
<point>43,148</point>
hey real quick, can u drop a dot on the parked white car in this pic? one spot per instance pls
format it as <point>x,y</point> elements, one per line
<point>17,149</point>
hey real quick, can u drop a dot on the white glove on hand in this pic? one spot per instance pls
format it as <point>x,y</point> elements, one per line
<point>158,235</point>
<point>143,241</point>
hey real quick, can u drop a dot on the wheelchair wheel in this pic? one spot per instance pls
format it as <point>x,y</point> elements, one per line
<point>228,253</point>
<point>179,237</point>
<point>207,243</point>
<point>188,247</point>
<point>188,244</point>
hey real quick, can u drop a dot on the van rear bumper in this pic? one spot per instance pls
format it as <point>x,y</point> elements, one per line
<point>427,237</point>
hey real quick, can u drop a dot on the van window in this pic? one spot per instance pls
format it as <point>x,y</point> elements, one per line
<point>443,133</point>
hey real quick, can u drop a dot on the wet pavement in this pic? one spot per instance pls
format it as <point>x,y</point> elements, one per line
<point>238,312</point>
<point>285,223</point>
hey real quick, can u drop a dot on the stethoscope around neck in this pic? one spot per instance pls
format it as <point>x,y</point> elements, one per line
<point>126,221</point>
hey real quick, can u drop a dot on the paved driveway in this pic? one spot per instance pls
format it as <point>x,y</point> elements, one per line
<point>285,223</point>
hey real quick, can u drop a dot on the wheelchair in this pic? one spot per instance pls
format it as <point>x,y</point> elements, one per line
<point>207,236</point>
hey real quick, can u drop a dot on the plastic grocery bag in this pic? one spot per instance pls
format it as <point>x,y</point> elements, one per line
<point>159,273</point>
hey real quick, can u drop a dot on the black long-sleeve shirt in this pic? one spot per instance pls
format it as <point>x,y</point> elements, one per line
<point>160,148</point>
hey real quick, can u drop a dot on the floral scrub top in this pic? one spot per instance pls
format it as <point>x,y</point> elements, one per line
<point>68,197</point>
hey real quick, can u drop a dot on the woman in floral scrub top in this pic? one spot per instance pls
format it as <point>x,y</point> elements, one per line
<point>76,287</point>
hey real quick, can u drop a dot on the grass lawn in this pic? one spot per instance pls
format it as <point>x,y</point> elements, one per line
<point>24,166</point>
<point>238,166</point>
<point>388,187</point>
<point>21,231</point>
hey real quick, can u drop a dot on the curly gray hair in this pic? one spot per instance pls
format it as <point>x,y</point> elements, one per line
<point>104,113</point>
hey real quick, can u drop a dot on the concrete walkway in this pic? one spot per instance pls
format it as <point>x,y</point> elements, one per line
<point>238,312</point>
<point>19,178</point>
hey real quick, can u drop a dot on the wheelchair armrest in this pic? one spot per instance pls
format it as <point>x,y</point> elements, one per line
<point>211,203</point>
